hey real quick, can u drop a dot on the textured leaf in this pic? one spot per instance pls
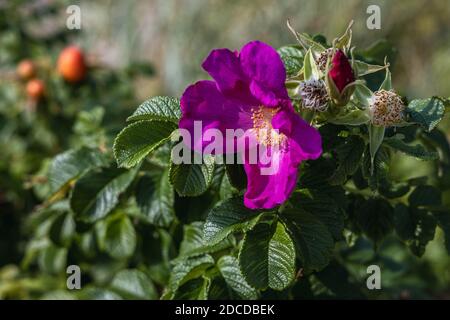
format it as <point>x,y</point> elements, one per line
<point>192,179</point>
<point>313,241</point>
<point>323,207</point>
<point>97,192</point>
<point>426,112</point>
<point>417,151</point>
<point>229,268</point>
<point>155,198</point>
<point>158,108</point>
<point>230,216</point>
<point>237,176</point>
<point>133,284</point>
<point>376,136</point>
<point>193,243</point>
<point>137,140</point>
<point>187,270</point>
<point>267,256</point>
<point>375,217</point>
<point>119,238</point>
<point>195,289</point>
<point>292,58</point>
<point>71,164</point>
<point>349,156</point>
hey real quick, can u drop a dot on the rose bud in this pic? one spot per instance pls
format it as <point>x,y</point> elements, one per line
<point>386,108</point>
<point>341,71</point>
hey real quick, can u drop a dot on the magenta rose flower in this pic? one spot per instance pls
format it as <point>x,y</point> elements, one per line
<point>249,93</point>
<point>341,72</point>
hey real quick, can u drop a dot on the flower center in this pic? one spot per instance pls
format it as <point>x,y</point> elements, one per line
<point>262,126</point>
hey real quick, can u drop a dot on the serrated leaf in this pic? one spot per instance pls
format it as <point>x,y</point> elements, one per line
<point>97,192</point>
<point>192,179</point>
<point>267,256</point>
<point>195,289</point>
<point>292,58</point>
<point>133,284</point>
<point>313,241</point>
<point>321,206</point>
<point>187,270</point>
<point>426,112</point>
<point>158,108</point>
<point>155,199</point>
<point>416,151</point>
<point>229,268</point>
<point>193,243</point>
<point>71,164</point>
<point>119,238</point>
<point>137,140</point>
<point>349,157</point>
<point>375,217</point>
<point>229,216</point>
<point>414,226</point>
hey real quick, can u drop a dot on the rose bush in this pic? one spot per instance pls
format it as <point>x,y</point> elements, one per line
<point>143,226</point>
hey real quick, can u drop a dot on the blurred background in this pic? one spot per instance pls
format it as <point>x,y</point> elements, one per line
<point>177,35</point>
<point>137,49</point>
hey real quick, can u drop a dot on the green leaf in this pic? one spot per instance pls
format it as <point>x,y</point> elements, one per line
<point>63,229</point>
<point>376,136</point>
<point>192,179</point>
<point>97,192</point>
<point>155,199</point>
<point>362,95</point>
<point>92,293</point>
<point>387,82</point>
<point>236,176</point>
<point>352,118</point>
<point>310,69</point>
<point>375,217</point>
<point>119,238</point>
<point>321,206</point>
<point>443,220</point>
<point>52,259</point>
<point>187,270</point>
<point>158,108</point>
<point>71,164</point>
<point>426,112</point>
<point>229,268</point>
<point>313,241</point>
<point>229,216</point>
<point>414,226</point>
<point>292,58</point>
<point>193,243</point>
<point>267,256</point>
<point>195,289</point>
<point>134,284</point>
<point>362,68</point>
<point>425,196</point>
<point>376,172</point>
<point>137,140</point>
<point>417,151</point>
<point>349,157</point>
